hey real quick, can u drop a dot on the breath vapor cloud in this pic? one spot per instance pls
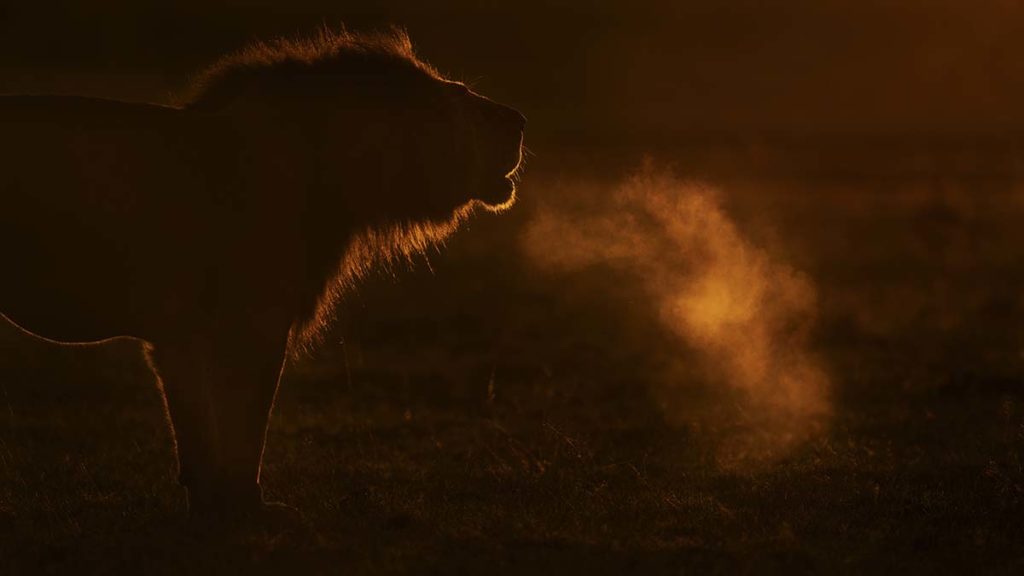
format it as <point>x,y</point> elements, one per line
<point>747,315</point>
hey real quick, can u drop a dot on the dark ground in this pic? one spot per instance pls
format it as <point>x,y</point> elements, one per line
<point>490,418</point>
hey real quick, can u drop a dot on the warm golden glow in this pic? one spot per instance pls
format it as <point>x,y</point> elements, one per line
<point>746,313</point>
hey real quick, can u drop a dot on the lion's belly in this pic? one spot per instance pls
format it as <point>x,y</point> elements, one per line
<point>60,293</point>
<point>56,320</point>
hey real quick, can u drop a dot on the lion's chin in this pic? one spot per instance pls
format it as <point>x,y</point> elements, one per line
<point>498,196</point>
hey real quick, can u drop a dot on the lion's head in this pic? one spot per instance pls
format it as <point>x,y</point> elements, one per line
<point>369,114</point>
<point>383,155</point>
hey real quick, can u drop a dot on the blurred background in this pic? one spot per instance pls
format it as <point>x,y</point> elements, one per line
<point>759,305</point>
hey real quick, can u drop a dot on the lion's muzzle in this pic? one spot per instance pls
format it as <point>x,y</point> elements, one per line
<point>500,147</point>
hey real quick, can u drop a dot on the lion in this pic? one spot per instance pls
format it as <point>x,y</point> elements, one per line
<point>222,231</point>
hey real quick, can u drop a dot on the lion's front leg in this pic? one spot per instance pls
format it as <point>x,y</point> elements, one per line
<point>219,394</point>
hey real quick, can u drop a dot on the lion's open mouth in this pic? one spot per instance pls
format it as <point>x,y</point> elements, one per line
<point>515,165</point>
<point>499,190</point>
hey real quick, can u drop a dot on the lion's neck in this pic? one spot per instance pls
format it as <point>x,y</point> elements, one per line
<point>385,247</point>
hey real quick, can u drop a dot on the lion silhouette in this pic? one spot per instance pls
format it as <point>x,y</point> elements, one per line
<point>222,231</point>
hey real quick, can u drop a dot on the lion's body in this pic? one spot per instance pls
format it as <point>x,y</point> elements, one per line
<point>217,231</point>
<point>108,216</point>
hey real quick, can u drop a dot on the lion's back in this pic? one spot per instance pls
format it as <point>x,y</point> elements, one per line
<point>73,149</point>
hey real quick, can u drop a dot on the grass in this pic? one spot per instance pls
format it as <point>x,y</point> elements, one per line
<point>414,470</point>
